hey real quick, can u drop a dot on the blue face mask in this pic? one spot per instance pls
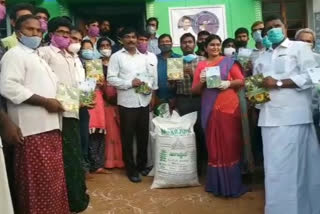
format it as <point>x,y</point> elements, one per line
<point>266,42</point>
<point>189,58</point>
<point>275,35</point>
<point>87,54</point>
<point>257,36</point>
<point>32,42</point>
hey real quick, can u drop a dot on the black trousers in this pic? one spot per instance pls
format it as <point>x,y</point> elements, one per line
<point>186,105</point>
<point>134,122</point>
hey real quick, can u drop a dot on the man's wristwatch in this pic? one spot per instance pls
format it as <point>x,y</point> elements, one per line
<point>279,83</point>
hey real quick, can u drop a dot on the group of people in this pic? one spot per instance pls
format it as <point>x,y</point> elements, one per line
<point>56,150</point>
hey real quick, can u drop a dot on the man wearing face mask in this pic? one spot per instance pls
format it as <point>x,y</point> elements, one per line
<point>129,69</point>
<point>30,86</point>
<point>16,11</point>
<point>166,92</point>
<point>308,36</point>
<point>93,33</point>
<point>257,29</point>
<point>202,36</point>
<point>64,66</point>
<point>290,146</point>
<point>152,27</point>
<point>185,101</point>
<point>43,15</point>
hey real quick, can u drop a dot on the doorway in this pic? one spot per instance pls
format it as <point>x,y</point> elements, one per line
<point>119,14</point>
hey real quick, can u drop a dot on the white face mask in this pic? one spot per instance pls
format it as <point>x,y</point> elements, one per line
<point>229,51</point>
<point>74,47</point>
<point>106,52</point>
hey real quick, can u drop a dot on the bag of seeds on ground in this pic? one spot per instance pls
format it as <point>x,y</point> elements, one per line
<point>175,153</point>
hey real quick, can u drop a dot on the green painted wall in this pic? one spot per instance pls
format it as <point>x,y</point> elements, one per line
<point>55,9</point>
<point>239,13</point>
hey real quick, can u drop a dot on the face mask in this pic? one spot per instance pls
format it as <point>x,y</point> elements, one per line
<point>229,51</point>
<point>151,30</point>
<point>106,52</point>
<point>189,58</point>
<point>3,12</point>
<point>60,41</point>
<point>200,45</point>
<point>32,42</point>
<point>43,25</point>
<point>87,54</point>
<point>74,48</point>
<point>275,35</point>
<point>241,44</point>
<point>257,36</point>
<point>165,48</point>
<point>266,42</point>
<point>143,47</point>
<point>93,31</point>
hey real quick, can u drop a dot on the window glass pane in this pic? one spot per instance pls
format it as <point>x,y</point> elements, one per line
<point>295,10</point>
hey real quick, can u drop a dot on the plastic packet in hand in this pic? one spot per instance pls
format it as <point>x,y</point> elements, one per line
<point>175,68</point>
<point>87,91</point>
<point>94,69</point>
<point>145,88</point>
<point>213,77</point>
<point>244,56</point>
<point>163,110</point>
<point>255,91</point>
<point>69,97</point>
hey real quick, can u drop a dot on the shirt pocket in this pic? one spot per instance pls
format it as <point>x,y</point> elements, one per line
<point>284,64</point>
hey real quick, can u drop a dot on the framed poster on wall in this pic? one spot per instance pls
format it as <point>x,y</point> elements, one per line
<point>317,30</point>
<point>195,19</point>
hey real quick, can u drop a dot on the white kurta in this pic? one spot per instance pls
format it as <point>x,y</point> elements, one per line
<point>290,146</point>
<point>5,198</point>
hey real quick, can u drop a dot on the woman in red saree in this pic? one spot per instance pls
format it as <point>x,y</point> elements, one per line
<point>113,146</point>
<point>221,121</point>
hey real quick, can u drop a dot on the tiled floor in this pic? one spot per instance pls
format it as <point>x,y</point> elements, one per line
<point>114,194</point>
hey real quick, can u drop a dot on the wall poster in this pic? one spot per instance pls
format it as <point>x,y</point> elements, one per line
<point>195,19</point>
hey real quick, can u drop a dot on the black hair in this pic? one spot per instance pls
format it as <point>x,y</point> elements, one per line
<point>164,36</point>
<point>22,20</point>
<point>42,10</point>
<point>84,42</point>
<point>91,21</point>
<point>203,33</point>
<point>186,35</point>
<point>153,19</point>
<point>18,7</point>
<point>209,39</point>
<point>256,24</point>
<point>57,22</point>
<point>68,18</point>
<point>271,18</point>
<point>241,30</point>
<point>104,20</point>
<point>127,30</point>
<point>103,39</point>
<point>227,41</point>
<point>144,34</point>
<point>75,29</point>
<point>186,17</point>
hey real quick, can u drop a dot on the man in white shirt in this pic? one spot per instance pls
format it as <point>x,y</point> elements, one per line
<point>152,27</point>
<point>63,64</point>
<point>30,86</point>
<point>129,69</point>
<point>290,145</point>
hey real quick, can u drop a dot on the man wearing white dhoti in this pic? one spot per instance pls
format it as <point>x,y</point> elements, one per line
<point>290,147</point>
